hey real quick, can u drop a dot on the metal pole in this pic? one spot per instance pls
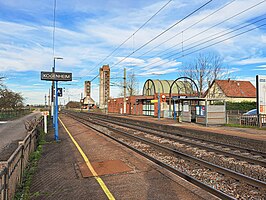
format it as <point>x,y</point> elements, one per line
<point>206,112</point>
<point>125,92</point>
<point>45,123</point>
<point>174,109</point>
<point>159,105</point>
<point>45,101</point>
<point>56,112</point>
<point>81,102</point>
<point>53,105</point>
<point>49,100</point>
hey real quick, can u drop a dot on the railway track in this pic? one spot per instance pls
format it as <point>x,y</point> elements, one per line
<point>190,159</point>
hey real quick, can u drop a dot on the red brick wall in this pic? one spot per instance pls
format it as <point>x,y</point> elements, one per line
<point>116,105</point>
<point>133,107</point>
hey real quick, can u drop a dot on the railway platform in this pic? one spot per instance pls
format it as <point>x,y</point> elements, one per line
<point>87,165</point>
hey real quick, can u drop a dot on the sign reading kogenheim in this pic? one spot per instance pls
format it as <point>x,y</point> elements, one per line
<point>56,76</point>
<point>261,93</point>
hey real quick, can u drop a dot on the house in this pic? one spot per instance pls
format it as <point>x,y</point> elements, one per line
<point>232,90</point>
<point>87,102</point>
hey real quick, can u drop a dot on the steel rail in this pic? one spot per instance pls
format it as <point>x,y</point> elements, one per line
<point>222,170</point>
<point>234,155</point>
<point>190,179</point>
<point>233,147</point>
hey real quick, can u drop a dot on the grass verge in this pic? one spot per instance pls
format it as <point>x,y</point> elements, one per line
<point>241,126</point>
<point>23,190</point>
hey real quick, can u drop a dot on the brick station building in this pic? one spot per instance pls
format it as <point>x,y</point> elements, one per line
<point>154,91</point>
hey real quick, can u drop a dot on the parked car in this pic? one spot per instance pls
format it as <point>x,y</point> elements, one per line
<point>251,112</point>
<point>249,118</point>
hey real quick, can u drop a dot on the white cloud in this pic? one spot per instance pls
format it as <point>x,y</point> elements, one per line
<point>260,68</point>
<point>130,61</point>
<point>100,26</point>
<point>252,79</point>
<point>158,72</point>
<point>263,38</point>
<point>158,62</point>
<point>251,61</point>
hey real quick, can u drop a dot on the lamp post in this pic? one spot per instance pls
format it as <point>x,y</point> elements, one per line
<point>55,118</point>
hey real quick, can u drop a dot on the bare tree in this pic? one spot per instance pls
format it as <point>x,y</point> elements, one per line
<point>132,85</point>
<point>205,69</point>
<point>1,81</point>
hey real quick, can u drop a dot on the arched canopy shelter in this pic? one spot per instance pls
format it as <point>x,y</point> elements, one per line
<point>181,87</point>
<point>185,87</point>
<point>152,87</point>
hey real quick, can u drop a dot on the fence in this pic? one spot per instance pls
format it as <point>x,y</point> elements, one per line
<point>247,120</point>
<point>11,171</point>
<point>10,114</point>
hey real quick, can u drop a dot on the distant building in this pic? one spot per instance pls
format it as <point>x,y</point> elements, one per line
<point>232,90</point>
<point>104,92</point>
<point>87,101</point>
<point>87,88</point>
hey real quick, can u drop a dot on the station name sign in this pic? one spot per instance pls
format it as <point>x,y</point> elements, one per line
<point>56,76</point>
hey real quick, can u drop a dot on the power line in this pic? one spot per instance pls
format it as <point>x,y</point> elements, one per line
<point>200,32</point>
<point>95,77</point>
<point>54,29</point>
<point>217,37</point>
<point>223,40</point>
<point>164,32</point>
<point>210,28</point>
<point>181,32</point>
<point>132,35</point>
<point>208,45</point>
<point>189,26</point>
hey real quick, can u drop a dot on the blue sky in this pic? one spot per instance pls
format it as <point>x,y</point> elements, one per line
<point>88,31</point>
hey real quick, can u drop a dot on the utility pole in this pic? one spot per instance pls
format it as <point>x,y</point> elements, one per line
<point>45,101</point>
<point>125,92</point>
<point>49,99</point>
<point>159,105</point>
<point>81,101</point>
<point>53,98</point>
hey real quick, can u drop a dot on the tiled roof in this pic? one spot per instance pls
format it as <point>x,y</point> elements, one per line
<point>234,88</point>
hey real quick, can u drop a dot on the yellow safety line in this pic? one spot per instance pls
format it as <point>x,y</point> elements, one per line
<point>99,180</point>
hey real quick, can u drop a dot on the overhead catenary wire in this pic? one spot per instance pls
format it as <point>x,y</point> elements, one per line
<point>54,25</point>
<point>221,41</point>
<point>191,48</point>
<point>205,46</point>
<point>189,27</point>
<point>172,26</point>
<point>132,35</point>
<point>209,28</point>
<point>194,23</point>
<point>153,63</point>
<point>181,32</point>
